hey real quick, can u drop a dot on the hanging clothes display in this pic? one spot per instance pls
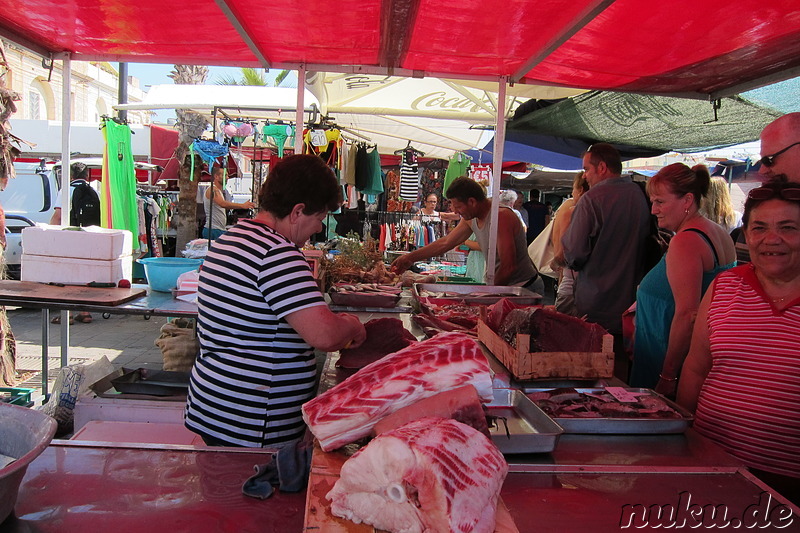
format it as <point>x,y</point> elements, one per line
<point>278,134</point>
<point>118,204</point>
<point>211,152</point>
<point>409,175</point>
<point>369,179</point>
<point>456,167</point>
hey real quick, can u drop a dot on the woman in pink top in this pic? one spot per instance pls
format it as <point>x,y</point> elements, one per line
<point>742,374</point>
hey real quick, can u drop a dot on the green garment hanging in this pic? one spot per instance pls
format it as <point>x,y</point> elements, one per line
<point>118,205</point>
<point>457,166</point>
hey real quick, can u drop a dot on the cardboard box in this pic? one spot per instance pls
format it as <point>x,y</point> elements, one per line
<point>92,242</point>
<point>46,269</point>
<point>540,365</point>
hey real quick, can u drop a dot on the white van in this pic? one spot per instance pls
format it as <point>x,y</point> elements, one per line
<point>27,200</point>
<point>31,198</point>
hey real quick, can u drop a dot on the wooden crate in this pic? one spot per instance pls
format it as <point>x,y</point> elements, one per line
<point>538,365</point>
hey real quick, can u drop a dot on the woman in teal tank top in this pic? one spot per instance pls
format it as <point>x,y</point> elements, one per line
<point>669,295</point>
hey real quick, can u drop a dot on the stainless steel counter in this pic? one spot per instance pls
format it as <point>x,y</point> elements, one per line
<point>602,482</point>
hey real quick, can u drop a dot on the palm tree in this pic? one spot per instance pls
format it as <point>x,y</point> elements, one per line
<point>251,76</point>
<point>190,125</point>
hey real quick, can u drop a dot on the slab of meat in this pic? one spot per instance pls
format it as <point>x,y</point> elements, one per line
<point>551,331</point>
<point>384,336</point>
<point>348,411</point>
<point>431,475</point>
<point>462,404</point>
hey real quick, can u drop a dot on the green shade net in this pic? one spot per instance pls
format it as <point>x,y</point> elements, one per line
<point>118,204</point>
<point>654,122</point>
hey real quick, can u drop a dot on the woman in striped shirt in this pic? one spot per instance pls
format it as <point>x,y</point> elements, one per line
<point>261,315</point>
<point>742,374</point>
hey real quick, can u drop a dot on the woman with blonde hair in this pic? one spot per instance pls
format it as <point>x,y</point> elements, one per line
<point>718,207</point>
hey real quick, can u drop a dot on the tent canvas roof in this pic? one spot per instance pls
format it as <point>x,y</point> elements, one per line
<point>699,48</point>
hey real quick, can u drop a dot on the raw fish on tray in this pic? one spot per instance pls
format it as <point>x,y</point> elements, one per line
<point>432,325</point>
<point>384,336</point>
<point>431,475</point>
<point>571,403</point>
<point>349,411</point>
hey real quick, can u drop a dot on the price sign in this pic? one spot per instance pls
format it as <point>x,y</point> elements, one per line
<point>621,394</point>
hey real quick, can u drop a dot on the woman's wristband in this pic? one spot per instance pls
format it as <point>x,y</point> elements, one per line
<point>662,376</point>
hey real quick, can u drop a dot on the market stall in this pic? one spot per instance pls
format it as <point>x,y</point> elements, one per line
<point>573,44</point>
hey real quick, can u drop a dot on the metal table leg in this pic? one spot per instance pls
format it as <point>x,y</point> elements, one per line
<point>45,345</point>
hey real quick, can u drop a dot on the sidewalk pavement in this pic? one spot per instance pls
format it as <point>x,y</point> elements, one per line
<point>127,340</point>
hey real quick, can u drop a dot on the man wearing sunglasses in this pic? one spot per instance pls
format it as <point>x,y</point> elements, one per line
<point>780,148</point>
<point>780,151</point>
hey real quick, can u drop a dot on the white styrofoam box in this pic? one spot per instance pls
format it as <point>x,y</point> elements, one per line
<point>91,242</point>
<point>73,271</point>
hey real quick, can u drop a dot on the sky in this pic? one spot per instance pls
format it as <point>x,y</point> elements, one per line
<point>158,74</point>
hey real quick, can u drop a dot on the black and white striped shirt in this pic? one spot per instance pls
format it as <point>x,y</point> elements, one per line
<point>254,371</point>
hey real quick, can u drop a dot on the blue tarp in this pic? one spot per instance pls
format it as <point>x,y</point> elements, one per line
<point>551,152</point>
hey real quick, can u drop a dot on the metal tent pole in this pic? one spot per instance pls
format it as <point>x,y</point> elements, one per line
<point>497,173</point>
<point>299,110</point>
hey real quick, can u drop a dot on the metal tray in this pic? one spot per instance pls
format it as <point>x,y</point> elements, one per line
<point>530,430</point>
<point>625,426</point>
<point>475,294</point>
<point>153,382</point>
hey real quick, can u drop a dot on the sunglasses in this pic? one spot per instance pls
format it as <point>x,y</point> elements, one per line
<point>791,194</point>
<point>769,160</point>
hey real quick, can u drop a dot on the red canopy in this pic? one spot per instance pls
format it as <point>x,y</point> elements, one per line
<point>697,47</point>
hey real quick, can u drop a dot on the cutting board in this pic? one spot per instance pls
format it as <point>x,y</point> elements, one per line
<point>29,291</point>
<point>325,467</point>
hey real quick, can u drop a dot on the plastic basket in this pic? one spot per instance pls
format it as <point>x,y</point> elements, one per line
<point>162,272</point>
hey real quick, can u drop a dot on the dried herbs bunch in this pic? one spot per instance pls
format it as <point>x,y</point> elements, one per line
<point>356,262</point>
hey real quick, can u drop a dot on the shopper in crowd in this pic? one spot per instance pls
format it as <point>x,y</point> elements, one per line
<point>261,315</point>
<point>604,243</point>
<point>717,205</point>
<point>742,374</point>
<point>537,216</point>
<point>429,212</point>
<point>780,148</point>
<point>476,262</point>
<point>468,199</point>
<point>669,295</point>
<point>523,213</point>
<point>780,159</point>
<point>218,212</point>
<point>508,198</point>
<point>565,294</point>
<point>84,211</point>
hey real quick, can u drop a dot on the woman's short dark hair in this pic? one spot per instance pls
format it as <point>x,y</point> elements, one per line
<point>300,179</point>
<point>680,180</point>
<point>464,188</point>
<point>770,190</point>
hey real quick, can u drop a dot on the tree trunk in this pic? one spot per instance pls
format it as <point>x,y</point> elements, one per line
<point>8,358</point>
<point>186,210</point>
<point>190,125</point>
